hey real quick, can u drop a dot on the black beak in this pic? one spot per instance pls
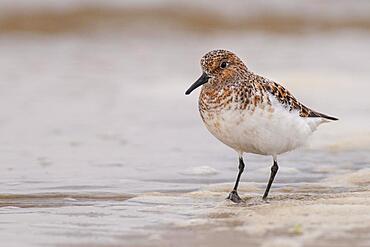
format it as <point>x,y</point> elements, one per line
<point>203,79</point>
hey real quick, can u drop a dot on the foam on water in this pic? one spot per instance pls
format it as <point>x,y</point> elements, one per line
<point>200,171</point>
<point>358,178</point>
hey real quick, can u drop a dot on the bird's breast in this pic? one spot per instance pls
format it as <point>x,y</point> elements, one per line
<point>257,127</point>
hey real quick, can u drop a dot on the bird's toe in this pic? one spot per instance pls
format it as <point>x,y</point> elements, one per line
<point>234,197</point>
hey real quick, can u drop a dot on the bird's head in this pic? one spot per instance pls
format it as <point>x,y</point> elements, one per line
<point>219,66</point>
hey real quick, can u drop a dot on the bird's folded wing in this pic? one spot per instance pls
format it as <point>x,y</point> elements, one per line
<point>290,102</point>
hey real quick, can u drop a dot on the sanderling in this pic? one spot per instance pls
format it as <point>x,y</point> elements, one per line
<point>250,113</point>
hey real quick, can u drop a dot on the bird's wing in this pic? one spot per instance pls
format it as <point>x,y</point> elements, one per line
<point>291,103</point>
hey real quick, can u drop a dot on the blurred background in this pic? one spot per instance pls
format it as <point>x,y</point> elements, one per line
<point>93,112</point>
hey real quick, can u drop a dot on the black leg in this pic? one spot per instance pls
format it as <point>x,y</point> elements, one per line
<point>233,196</point>
<point>274,169</point>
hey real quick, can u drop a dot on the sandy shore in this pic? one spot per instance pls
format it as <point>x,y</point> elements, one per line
<point>334,212</point>
<point>287,220</point>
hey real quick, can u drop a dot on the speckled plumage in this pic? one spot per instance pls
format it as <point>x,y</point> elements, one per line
<point>251,113</point>
<point>248,88</point>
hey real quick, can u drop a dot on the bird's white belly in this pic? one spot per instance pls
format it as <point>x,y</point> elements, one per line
<point>268,131</point>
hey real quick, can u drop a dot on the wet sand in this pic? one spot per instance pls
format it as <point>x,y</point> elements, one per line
<point>306,219</point>
<point>331,212</point>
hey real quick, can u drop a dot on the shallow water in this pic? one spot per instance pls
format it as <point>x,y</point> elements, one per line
<point>99,145</point>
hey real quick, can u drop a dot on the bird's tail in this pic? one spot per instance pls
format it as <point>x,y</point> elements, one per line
<point>325,117</point>
<point>317,118</point>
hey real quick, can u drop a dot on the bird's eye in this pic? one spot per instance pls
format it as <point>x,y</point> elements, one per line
<point>223,64</point>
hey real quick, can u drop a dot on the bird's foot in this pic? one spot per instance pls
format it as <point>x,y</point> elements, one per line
<point>265,200</point>
<point>234,197</point>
